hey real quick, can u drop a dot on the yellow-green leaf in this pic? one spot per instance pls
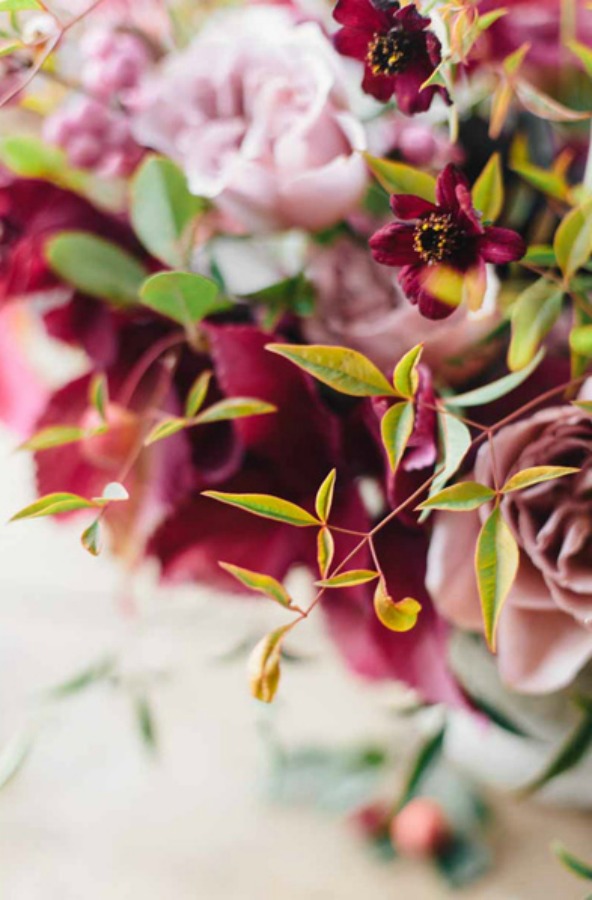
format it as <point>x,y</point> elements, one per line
<point>573,239</point>
<point>398,616</point>
<point>580,340</point>
<point>454,444</point>
<point>98,395</point>
<point>552,183</point>
<point>496,389</point>
<point>264,665</point>
<point>184,297</point>
<point>267,506</point>
<point>166,429</point>
<point>54,436</point>
<point>545,107</point>
<point>534,313</point>
<point>349,579</point>
<point>515,59</point>
<point>488,190</point>
<point>583,53</point>
<point>396,427</point>
<point>496,564</point>
<point>324,498</point>
<point>234,408</point>
<point>398,178</point>
<point>52,504</point>
<point>197,394</point>
<point>572,863</point>
<point>91,538</point>
<point>345,370</point>
<point>406,377</point>
<point>536,475</point>
<point>461,497</point>
<point>325,550</point>
<point>258,581</point>
<point>574,748</point>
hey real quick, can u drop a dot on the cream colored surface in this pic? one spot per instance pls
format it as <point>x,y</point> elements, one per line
<point>92,816</point>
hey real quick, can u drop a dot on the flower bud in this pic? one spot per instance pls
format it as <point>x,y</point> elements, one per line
<point>110,450</point>
<point>420,829</point>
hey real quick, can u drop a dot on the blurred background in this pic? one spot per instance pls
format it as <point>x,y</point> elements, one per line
<point>135,764</point>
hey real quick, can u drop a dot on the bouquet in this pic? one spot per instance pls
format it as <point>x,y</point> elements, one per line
<point>329,270</point>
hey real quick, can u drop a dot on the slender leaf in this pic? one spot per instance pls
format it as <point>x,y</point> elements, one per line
<point>406,377</point>
<point>580,340</point>
<point>52,504</point>
<point>536,475</point>
<point>267,506</point>
<point>461,497</point>
<point>98,395</point>
<point>234,408</point>
<point>398,178</point>
<point>454,444</point>
<point>533,315</point>
<point>572,751</point>
<point>396,427</point>
<point>349,579</point>
<point>572,863</point>
<point>545,107</point>
<point>258,581</point>
<point>488,190</point>
<point>324,498</point>
<point>54,436</point>
<point>345,370</point>
<point>325,550</point>
<point>573,240</point>
<point>496,389</point>
<point>184,297</point>
<point>496,564</point>
<point>398,616</point>
<point>91,538</point>
<point>166,429</point>
<point>264,665</point>
<point>197,395</point>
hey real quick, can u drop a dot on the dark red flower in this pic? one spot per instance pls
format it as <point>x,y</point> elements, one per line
<point>447,234</point>
<point>398,51</point>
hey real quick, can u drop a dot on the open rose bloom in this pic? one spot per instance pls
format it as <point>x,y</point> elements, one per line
<point>326,273</point>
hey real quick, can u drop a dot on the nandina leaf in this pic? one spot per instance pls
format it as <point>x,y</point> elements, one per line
<point>91,538</point>
<point>398,178</point>
<point>267,506</point>
<point>396,616</point>
<point>572,751</point>
<point>396,427</point>
<point>52,504</point>
<point>540,255</point>
<point>572,863</point>
<point>552,183</point>
<point>461,497</point>
<point>264,665</point>
<point>454,443</point>
<point>325,550</point>
<point>234,408</point>
<point>324,498</point>
<point>349,579</point>
<point>98,395</point>
<point>184,297</point>
<point>580,340</point>
<point>496,389</point>
<point>536,475</point>
<point>54,436</point>
<point>258,581</point>
<point>165,429</point>
<point>534,313</point>
<point>342,369</point>
<point>514,60</point>
<point>583,52</point>
<point>545,107</point>
<point>488,190</point>
<point>496,564</point>
<point>501,102</point>
<point>197,394</point>
<point>406,377</point>
<point>573,240</point>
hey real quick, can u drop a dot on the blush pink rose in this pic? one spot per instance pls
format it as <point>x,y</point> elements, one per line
<point>545,628</point>
<point>256,113</point>
<point>360,305</point>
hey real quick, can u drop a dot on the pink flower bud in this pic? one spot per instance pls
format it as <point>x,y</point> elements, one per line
<point>421,828</point>
<point>110,450</point>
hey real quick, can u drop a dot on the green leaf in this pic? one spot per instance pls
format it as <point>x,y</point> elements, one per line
<point>496,563</point>
<point>98,671</point>
<point>91,538</point>
<point>406,378</point>
<point>572,863</point>
<point>580,340</point>
<point>583,53</point>
<point>257,581</point>
<point>146,723</point>
<point>454,443</point>
<point>396,427</point>
<point>18,5</point>
<point>398,616</point>
<point>398,178</point>
<point>428,755</point>
<point>264,665</point>
<point>349,579</point>
<point>573,239</point>
<point>324,498</point>
<point>184,297</point>
<point>540,255</point>
<point>96,266</point>
<point>52,504</point>
<point>536,475</point>
<point>325,550</point>
<point>584,405</point>
<point>197,394</point>
<point>533,315</point>
<point>54,436</point>
<point>234,408</point>
<point>267,506</point>
<point>345,370</point>
<point>162,209</point>
<point>552,183</point>
<point>545,107</point>
<point>166,429</point>
<point>489,392</point>
<point>461,497</point>
<point>572,751</point>
<point>488,190</point>
<point>514,60</point>
<point>98,395</point>
<point>295,294</point>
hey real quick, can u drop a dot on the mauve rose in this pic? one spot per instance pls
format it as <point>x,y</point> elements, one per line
<point>360,305</point>
<point>255,111</point>
<point>544,635</point>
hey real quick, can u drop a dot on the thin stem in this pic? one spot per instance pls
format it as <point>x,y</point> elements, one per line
<point>151,356</point>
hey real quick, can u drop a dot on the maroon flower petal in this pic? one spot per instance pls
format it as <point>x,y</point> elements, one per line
<point>408,206</point>
<point>361,14</point>
<point>410,19</point>
<point>448,181</point>
<point>469,217</point>
<point>411,98</point>
<point>351,42</point>
<point>393,245</point>
<point>380,87</point>
<point>501,245</point>
<point>434,50</point>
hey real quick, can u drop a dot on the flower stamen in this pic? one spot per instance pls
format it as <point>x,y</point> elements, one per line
<point>436,238</point>
<point>389,53</point>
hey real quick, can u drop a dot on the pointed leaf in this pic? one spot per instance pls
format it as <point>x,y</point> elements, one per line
<point>400,616</point>
<point>52,504</point>
<point>324,498</point>
<point>98,395</point>
<point>396,427</point>
<point>540,255</point>
<point>197,394</point>
<point>488,190</point>
<point>234,408</point>
<point>572,863</point>
<point>573,239</point>
<point>496,563</point>
<point>264,665</point>
<point>398,178</point>
<point>267,506</point>
<point>165,429</point>
<point>342,369</point>
<point>54,436</point>
<point>580,340</point>
<point>573,750</point>
<point>533,315</point>
<point>545,107</point>
<point>91,538</point>
<point>349,579</point>
<point>489,392</point>
<point>257,581</point>
<point>583,53</point>
<point>325,551</point>
<point>515,59</point>
<point>406,378</point>
<point>461,497</point>
<point>536,475</point>
<point>454,443</point>
<point>184,297</point>
<point>552,183</point>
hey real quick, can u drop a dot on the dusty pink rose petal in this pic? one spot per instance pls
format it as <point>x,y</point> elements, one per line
<point>545,630</point>
<point>22,393</point>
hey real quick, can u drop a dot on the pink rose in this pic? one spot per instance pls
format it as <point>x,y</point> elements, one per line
<point>256,113</point>
<point>544,635</point>
<point>360,305</point>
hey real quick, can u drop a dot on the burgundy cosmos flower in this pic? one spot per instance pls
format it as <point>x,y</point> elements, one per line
<point>396,47</point>
<point>448,233</point>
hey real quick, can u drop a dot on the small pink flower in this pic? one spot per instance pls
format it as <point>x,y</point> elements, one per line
<point>114,62</point>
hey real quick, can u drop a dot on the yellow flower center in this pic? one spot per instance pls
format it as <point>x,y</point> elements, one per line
<point>436,238</point>
<point>388,53</point>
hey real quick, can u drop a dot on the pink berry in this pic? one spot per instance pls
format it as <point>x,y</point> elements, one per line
<point>420,829</point>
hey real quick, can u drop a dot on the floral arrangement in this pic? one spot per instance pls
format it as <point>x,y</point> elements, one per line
<point>330,268</point>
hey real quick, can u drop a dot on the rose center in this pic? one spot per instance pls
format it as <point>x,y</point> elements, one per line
<point>389,53</point>
<point>436,238</point>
